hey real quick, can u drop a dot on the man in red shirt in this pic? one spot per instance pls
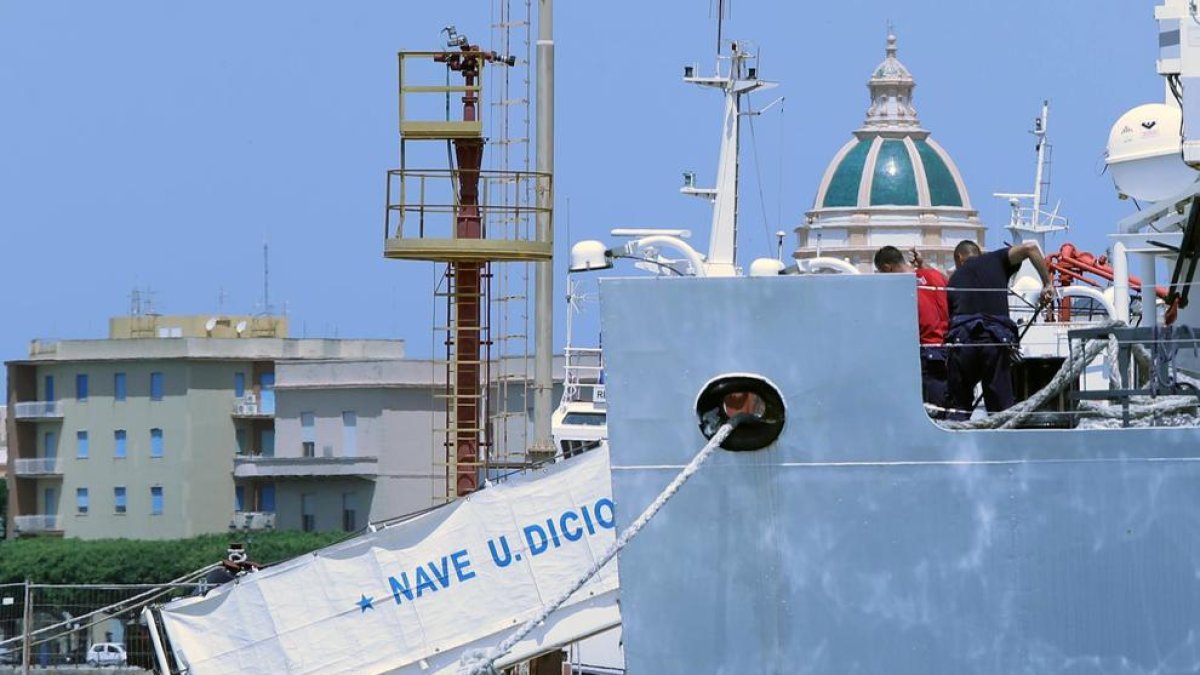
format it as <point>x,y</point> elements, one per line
<point>933,318</point>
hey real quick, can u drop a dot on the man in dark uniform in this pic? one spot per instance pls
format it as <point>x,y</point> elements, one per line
<point>979,316</point>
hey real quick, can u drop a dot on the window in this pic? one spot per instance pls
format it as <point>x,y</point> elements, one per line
<point>156,501</point>
<point>240,436</point>
<point>49,382</point>
<point>156,443</point>
<point>349,511</point>
<point>266,498</point>
<point>349,434</point>
<point>239,498</point>
<point>81,444</point>
<point>49,445</point>
<point>239,385</point>
<point>308,437</point>
<point>266,393</point>
<point>81,500</point>
<point>81,387</point>
<point>118,386</point>
<point>50,501</point>
<point>308,512</point>
<point>266,442</point>
<point>119,499</point>
<point>156,386</point>
<point>119,444</point>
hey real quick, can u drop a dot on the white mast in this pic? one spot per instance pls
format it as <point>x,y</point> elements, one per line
<point>741,79</point>
<point>1032,221</point>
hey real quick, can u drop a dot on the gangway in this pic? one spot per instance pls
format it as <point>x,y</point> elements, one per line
<point>414,597</point>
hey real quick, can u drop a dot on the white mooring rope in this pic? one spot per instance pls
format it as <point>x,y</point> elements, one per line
<point>482,661</point>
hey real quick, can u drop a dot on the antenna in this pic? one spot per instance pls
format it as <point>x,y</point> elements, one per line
<point>720,23</point>
<point>266,277</point>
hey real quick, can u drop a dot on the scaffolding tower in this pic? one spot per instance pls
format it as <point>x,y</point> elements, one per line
<point>470,221</point>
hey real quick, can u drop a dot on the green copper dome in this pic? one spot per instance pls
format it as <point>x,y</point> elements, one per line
<point>893,183</point>
<point>843,188</point>
<point>909,171</point>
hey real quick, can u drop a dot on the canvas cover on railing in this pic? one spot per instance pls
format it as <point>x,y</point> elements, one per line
<point>412,597</point>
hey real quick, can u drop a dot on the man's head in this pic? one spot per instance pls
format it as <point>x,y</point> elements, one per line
<point>965,250</point>
<point>890,260</point>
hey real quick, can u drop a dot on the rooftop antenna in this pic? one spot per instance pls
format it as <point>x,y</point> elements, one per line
<point>266,304</point>
<point>141,302</point>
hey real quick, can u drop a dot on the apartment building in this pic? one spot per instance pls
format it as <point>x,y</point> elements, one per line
<point>360,441</point>
<point>137,435</point>
<point>178,426</point>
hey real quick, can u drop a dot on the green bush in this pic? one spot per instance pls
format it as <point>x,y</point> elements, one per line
<point>46,560</point>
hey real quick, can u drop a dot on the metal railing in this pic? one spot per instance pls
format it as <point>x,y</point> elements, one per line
<point>33,466</point>
<point>38,409</point>
<point>252,520</point>
<point>81,628</point>
<point>251,406</point>
<point>426,201</point>
<point>38,523</point>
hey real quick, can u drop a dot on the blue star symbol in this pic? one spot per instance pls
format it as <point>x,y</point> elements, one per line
<point>365,603</point>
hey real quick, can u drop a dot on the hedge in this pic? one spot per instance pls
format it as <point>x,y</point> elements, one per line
<point>48,560</point>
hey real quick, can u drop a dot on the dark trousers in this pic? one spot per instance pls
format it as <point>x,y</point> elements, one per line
<point>967,366</point>
<point>933,374</point>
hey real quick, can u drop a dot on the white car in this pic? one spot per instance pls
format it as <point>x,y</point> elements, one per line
<point>106,654</point>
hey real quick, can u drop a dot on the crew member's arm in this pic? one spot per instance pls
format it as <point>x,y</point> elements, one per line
<point>1030,251</point>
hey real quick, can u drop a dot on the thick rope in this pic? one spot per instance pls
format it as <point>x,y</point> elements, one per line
<point>483,661</point>
<point>1163,405</point>
<point>1072,367</point>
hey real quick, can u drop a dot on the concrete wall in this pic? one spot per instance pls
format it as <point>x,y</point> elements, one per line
<point>394,424</point>
<point>328,495</point>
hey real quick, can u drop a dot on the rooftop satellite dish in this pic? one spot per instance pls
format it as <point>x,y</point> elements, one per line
<point>241,327</point>
<point>210,324</point>
<point>1144,153</point>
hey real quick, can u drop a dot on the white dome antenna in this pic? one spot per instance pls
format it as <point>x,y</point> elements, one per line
<point>1144,153</point>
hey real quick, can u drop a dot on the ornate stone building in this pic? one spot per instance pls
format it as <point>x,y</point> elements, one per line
<point>891,184</point>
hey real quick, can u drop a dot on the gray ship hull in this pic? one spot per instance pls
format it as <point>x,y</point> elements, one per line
<point>867,539</point>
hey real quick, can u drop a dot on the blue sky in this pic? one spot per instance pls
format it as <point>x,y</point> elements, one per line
<point>155,144</point>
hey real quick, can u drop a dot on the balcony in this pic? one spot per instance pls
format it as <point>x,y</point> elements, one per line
<point>251,406</point>
<point>38,410</point>
<point>38,523</point>
<point>252,521</point>
<point>37,466</point>
<point>258,466</point>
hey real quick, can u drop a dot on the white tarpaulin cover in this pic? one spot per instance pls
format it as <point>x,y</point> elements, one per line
<point>412,597</point>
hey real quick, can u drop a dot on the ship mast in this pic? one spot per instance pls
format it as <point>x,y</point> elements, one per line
<point>1033,222</point>
<point>740,79</point>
